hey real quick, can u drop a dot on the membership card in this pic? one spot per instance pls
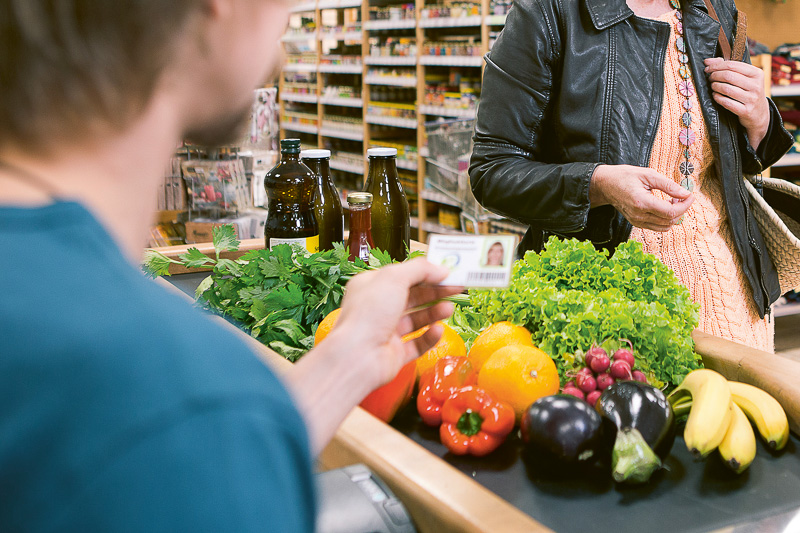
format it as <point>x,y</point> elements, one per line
<point>476,261</point>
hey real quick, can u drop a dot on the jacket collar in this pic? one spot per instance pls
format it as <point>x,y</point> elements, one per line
<point>605,13</point>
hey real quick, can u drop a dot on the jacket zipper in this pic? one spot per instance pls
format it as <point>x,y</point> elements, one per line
<point>752,241</point>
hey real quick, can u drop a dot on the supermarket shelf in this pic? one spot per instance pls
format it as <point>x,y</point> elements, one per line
<point>786,90</point>
<point>495,20</point>
<point>452,61</point>
<point>450,22</point>
<point>440,198</point>
<point>410,123</point>
<point>446,112</point>
<point>390,24</point>
<point>338,4</point>
<point>352,135</point>
<point>347,167</point>
<point>299,37</point>
<point>398,81</point>
<point>303,7</point>
<point>342,69</point>
<point>340,36</point>
<point>789,160</point>
<point>304,98</point>
<point>390,60</point>
<point>345,102</point>
<point>303,128</point>
<point>407,164</point>
<point>300,67</point>
<point>786,309</point>
<point>433,227</point>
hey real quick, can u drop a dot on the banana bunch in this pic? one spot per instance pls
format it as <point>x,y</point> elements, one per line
<point>718,418</point>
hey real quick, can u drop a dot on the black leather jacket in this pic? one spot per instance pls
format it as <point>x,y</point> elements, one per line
<point>571,84</point>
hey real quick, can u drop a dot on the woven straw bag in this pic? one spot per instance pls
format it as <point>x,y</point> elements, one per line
<point>778,216</point>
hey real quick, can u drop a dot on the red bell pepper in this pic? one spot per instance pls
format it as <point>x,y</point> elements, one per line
<point>438,384</point>
<point>385,401</point>
<point>474,423</point>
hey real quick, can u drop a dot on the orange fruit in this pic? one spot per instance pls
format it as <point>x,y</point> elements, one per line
<point>326,325</point>
<point>519,375</point>
<point>494,337</point>
<point>330,319</point>
<point>450,344</point>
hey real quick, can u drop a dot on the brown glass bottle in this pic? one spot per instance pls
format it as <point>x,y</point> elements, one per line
<point>391,223</point>
<point>327,204</point>
<point>360,241</point>
<point>290,188</point>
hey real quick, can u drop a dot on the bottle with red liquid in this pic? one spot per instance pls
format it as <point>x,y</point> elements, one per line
<point>360,242</point>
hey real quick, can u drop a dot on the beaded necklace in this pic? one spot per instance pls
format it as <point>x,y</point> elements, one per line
<point>687,136</point>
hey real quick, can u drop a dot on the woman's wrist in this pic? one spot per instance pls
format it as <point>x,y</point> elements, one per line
<point>597,197</point>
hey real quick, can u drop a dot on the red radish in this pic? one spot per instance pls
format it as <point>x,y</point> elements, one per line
<point>593,396</point>
<point>600,363</point>
<point>638,375</point>
<point>620,370</point>
<point>570,384</point>
<point>604,381</point>
<point>586,383</point>
<point>593,352</point>
<point>624,354</point>
<point>573,392</point>
<point>584,372</point>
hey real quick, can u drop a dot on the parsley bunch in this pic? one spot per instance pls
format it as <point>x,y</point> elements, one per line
<point>571,295</point>
<point>278,295</point>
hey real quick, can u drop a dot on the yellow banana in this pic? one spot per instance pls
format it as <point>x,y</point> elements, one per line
<point>764,411</point>
<point>738,448</point>
<point>711,410</point>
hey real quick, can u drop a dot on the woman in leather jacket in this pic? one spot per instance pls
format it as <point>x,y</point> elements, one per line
<point>607,120</point>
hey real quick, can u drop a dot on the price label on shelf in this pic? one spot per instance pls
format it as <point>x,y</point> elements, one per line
<point>475,261</point>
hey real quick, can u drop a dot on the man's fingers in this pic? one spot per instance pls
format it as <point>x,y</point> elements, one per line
<point>422,294</point>
<point>414,321</point>
<point>418,271</point>
<point>423,343</point>
<point>657,181</point>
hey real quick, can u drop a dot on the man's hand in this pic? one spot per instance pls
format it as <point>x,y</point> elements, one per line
<point>630,190</point>
<point>364,350</point>
<point>739,88</point>
<point>374,318</point>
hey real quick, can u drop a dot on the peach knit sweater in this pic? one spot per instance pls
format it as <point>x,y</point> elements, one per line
<point>700,250</point>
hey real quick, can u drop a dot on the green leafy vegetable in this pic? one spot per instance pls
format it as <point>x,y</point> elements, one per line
<point>279,295</point>
<point>570,296</point>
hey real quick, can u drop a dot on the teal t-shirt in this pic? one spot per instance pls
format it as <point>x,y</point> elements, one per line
<point>122,407</point>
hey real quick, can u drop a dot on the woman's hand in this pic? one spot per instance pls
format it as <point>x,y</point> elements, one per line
<point>630,190</point>
<point>739,88</point>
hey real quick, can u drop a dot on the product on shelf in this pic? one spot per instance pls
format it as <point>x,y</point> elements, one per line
<point>341,91</point>
<point>500,7</point>
<point>340,60</point>
<point>451,10</point>
<point>392,47</point>
<point>397,12</point>
<point>453,46</point>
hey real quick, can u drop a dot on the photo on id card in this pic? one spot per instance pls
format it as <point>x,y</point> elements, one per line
<point>475,261</point>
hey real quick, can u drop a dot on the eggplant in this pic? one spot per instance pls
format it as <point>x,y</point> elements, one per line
<point>564,428</point>
<point>645,427</point>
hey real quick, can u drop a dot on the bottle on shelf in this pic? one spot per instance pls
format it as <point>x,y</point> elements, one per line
<point>360,240</point>
<point>327,204</point>
<point>291,187</point>
<point>391,228</point>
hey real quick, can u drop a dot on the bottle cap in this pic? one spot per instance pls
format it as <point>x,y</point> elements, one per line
<point>290,146</point>
<point>357,198</point>
<point>315,154</point>
<point>382,152</point>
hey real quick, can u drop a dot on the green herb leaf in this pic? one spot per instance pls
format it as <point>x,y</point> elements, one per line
<point>224,239</point>
<point>203,287</point>
<point>156,264</point>
<point>194,258</point>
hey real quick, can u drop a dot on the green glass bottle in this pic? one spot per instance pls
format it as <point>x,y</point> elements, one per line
<point>291,187</point>
<point>327,203</point>
<point>391,223</point>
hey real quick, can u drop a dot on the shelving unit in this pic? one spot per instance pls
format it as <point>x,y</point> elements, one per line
<point>418,62</point>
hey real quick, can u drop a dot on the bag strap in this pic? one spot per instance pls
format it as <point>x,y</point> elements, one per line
<point>740,40</point>
<point>723,39</point>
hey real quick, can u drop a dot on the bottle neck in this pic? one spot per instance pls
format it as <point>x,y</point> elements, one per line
<point>290,156</point>
<point>382,169</point>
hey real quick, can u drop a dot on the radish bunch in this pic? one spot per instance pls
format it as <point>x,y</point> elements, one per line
<point>602,371</point>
